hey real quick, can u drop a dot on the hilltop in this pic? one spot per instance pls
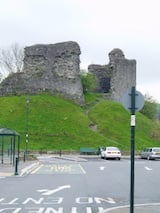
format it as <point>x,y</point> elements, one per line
<point>55,69</point>
<point>56,123</point>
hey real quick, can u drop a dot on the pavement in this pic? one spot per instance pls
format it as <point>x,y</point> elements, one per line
<point>24,168</point>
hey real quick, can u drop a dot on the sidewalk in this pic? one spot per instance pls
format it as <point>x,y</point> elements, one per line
<point>141,208</point>
<point>23,168</point>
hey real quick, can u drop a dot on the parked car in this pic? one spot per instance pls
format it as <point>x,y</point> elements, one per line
<point>111,152</point>
<point>100,149</point>
<point>150,153</point>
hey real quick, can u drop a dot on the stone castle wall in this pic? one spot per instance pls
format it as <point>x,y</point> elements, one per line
<point>115,78</point>
<point>54,68</point>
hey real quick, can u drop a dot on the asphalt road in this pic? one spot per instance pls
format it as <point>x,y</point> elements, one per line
<point>73,186</point>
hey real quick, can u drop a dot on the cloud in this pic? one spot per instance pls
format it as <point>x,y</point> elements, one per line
<point>97,25</point>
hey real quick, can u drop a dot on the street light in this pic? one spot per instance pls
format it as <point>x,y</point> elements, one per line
<point>27,112</point>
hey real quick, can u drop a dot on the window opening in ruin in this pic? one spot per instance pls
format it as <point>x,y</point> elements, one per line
<point>105,85</point>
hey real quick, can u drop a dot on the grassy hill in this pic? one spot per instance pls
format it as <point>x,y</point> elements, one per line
<point>55,123</point>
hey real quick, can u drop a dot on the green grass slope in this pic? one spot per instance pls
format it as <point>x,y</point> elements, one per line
<point>114,123</point>
<point>55,123</point>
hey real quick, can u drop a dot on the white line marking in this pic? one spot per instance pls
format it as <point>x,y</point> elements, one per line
<point>102,168</point>
<point>28,169</point>
<point>108,200</point>
<point>83,171</point>
<point>49,192</point>
<point>37,169</point>
<point>147,168</point>
<point>127,206</point>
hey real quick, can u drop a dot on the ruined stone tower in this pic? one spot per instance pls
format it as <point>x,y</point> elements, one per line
<point>53,68</point>
<point>115,78</point>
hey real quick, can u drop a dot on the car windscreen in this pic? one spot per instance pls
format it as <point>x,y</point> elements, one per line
<point>113,149</point>
<point>156,150</point>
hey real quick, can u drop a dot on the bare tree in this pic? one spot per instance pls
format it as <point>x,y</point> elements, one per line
<point>11,59</point>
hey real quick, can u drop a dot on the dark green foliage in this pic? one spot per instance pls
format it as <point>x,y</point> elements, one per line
<point>150,107</point>
<point>89,82</point>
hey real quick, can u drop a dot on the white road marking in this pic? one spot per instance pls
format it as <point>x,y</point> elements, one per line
<point>37,169</point>
<point>83,171</point>
<point>108,200</point>
<point>127,206</point>
<point>102,167</point>
<point>49,192</point>
<point>147,168</point>
<point>28,169</point>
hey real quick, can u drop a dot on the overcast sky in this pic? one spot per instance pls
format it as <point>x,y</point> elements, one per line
<point>97,25</point>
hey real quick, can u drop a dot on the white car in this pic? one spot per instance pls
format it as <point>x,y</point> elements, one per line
<point>111,152</point>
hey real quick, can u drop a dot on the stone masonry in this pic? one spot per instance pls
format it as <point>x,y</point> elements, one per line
<point>115,78</point>
<point>52,68</point>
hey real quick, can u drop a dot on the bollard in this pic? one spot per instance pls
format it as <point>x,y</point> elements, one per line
<point>16,167</point>
<point>24,157</point>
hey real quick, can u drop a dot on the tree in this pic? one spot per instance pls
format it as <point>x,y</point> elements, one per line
<point>11,59</point>
<point>89,82</point>
<point>150,107</point>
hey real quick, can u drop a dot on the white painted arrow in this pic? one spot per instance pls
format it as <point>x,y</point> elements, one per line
<point>147,168</point>
<point>49,192</point>
<point>102,167</point>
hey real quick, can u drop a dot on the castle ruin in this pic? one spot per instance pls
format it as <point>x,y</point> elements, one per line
<point>115,78</point>
<point>54,68</point>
